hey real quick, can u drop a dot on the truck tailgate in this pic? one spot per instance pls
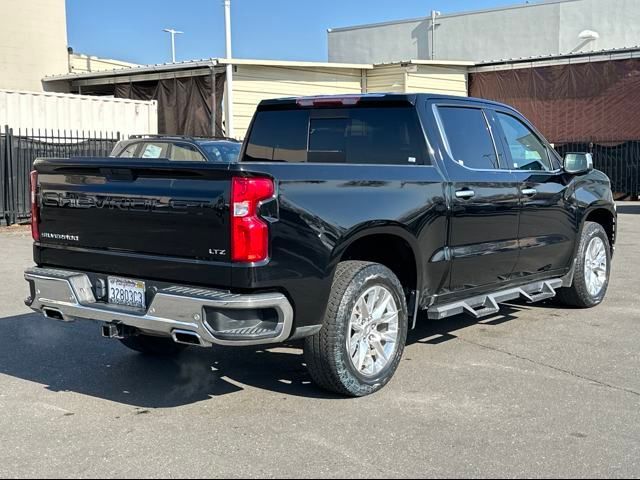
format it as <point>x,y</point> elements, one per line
<point>173,212</point>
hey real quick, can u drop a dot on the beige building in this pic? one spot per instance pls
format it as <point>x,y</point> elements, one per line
<point>256,80</point>
<point>33,45</point>
<point>33,42</point>
<point>419,76</point>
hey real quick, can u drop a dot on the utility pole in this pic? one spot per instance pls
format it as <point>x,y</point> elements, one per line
<point>173,41</point>
<point>434,15</point>
<point>229,80</point>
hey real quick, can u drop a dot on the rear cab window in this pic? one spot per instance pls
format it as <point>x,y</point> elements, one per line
<point>352,134</point>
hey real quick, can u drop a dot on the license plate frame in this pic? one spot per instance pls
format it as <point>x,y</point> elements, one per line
<point>125,292</point>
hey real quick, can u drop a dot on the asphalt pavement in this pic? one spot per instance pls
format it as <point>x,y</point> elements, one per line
<point>536,391</point>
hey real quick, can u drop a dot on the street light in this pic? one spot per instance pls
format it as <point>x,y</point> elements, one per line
<point>173,41</point>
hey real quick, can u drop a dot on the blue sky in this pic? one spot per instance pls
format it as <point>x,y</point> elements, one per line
<point>263,29</point>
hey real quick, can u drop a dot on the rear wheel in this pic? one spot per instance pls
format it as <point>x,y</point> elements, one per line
<point>365,329</point>
<point>156,346</point>
<point>592,269</point>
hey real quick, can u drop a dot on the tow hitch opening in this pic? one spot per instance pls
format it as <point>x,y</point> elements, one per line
<point>117,331</point>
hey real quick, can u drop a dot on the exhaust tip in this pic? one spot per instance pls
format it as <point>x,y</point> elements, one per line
<point>186,337</point>
<point>53,314</point>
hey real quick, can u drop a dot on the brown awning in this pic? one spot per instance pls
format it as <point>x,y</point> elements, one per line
<point>597,102</point>
<point>186,105</point>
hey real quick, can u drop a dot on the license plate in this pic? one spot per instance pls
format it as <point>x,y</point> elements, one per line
<point>130,293</point>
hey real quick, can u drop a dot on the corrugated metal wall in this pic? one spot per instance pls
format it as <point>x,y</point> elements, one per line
<point>252,84</point>
<point>411,78</point>
<point>387,79</point>
<point>431,79</point>
<point>53,111</point>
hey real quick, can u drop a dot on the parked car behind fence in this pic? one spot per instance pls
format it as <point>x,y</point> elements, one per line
<point>19,149</point>
<point>179,148</point>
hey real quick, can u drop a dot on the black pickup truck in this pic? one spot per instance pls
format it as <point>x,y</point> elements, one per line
<point>345,218</point>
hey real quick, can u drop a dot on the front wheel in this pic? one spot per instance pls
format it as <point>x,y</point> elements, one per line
<point>364,333</point>
<point>592,269</point>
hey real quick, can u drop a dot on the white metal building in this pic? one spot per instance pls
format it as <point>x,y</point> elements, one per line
<point>83,113</point>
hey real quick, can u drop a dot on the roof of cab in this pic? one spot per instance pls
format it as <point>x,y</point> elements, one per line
<point>368,98</point>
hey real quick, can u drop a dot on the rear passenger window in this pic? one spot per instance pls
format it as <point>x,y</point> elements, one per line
<point>130,151</point>
<point>185,153</point>
<point>468,137</point>
<point>154,150</point>
<point>364,135</point>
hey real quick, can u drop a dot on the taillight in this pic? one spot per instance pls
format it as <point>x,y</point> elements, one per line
<point>35,208</point>
<point>249,233</point>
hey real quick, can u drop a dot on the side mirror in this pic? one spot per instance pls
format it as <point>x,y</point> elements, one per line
<point>576,163</point>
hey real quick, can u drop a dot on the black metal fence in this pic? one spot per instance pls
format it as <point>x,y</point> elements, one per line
<point>619,160</point>
<point>19,149</point>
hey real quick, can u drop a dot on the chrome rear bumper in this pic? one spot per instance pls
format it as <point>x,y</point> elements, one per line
<point>67,296</point>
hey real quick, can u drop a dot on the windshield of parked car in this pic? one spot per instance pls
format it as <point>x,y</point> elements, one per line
<point>225,152</point>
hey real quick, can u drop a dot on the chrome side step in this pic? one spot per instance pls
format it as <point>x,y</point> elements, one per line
<point>489,304</point>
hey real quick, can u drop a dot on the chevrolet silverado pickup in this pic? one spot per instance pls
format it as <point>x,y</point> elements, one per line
<point>343,220</point>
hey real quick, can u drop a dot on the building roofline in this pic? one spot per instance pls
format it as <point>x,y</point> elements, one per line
<point>622,53</point>
<point>447,15</point>
<point>83,56</point>
<point>294,63</point>
<point>204,63</point>
<point>163,67</point>
<point>75,96</point>
<point>434,63</point>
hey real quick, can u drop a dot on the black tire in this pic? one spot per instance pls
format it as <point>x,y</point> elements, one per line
<point>154,346</point>
<point>326,353</point>
<point>578,294</point>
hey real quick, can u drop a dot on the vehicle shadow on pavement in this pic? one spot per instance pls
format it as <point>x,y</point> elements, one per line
<point>73,357</point>
<point>434,332</point>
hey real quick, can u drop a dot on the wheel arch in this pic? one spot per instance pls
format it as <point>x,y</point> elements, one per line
<point>390,245</point>
<point>605,216</point>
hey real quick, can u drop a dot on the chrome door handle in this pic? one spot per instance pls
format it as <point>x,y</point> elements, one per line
<point>529,192</point>
<point>465,194</point>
